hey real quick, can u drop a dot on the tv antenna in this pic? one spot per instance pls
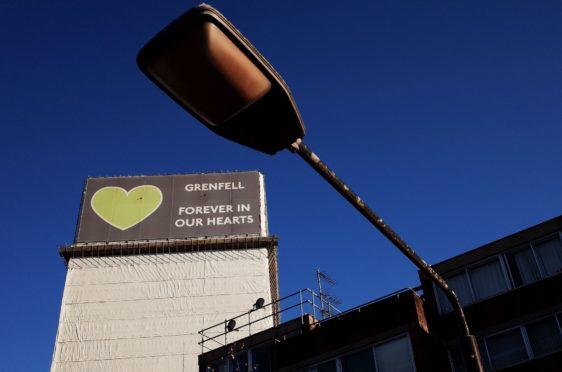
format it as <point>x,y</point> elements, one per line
<point>327,301</point>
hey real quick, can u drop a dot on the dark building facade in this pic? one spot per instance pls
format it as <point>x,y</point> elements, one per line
<point>388,334</point>
<point>511,292</point>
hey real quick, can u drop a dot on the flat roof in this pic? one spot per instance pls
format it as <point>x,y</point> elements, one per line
<point>138,247</point>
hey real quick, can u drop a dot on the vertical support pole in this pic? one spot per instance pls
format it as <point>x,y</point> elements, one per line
<point>320,293</point>
<point>313,305</point>
<point>301,306</point>
<point>225,331</point>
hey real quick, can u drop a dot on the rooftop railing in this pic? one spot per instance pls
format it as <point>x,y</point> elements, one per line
<point>262,316</point>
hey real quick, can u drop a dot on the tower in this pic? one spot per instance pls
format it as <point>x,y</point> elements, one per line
<point>157,259</point>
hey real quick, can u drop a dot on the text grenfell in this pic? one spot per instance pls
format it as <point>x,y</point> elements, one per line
<point>214,186</point>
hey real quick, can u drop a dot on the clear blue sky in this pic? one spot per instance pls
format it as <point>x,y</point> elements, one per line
<point>445,116</point>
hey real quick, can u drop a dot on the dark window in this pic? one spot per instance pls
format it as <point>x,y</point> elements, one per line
<point>394,356</point>
<point>487,279</point>
<point>459,284</point>
<point>261,359</point>
<point>544,336</point>
<point>239,363</point>
<point>362,361</point>
<point>541,259</point>
<point>523,267</point>
<point>530,340</point>
<point>475,283</point>
<point>506,348</point>
<point>457,360</point>
<point>326,367</point>
<point>484,355</point>
<point>221,366</point>
<point>549,255</point>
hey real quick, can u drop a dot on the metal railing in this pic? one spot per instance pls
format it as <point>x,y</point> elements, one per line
<point>296,305</point>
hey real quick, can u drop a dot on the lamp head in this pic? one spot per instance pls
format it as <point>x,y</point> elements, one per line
<point>210,69</point>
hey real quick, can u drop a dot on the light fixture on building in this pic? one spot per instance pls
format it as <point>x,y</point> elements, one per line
<point>259,303</point>
<point>230,325</point>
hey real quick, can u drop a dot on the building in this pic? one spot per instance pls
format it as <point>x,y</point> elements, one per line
<point>511,292</point>
<point>390,332</point>
<point>155,260</point>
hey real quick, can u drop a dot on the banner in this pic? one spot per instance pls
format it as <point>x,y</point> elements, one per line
<point>176,206</point>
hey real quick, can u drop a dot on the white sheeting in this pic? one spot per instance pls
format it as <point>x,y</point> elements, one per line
<point>142,313</point>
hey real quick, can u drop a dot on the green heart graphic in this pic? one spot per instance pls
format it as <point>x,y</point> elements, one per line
<point>123,209</point>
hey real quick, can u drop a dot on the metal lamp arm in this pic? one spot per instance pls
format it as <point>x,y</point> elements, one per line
<point>470,349</point>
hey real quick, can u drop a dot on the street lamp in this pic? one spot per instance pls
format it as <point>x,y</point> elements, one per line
<point>209,68</point>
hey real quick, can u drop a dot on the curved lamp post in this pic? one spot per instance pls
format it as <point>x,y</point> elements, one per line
<point>210,69</point>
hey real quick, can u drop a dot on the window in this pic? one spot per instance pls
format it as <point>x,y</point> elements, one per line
<point>506,348</point>
<point>527,341</point>
<point>362,361</point>
<point>538,260</point>
<point>457,361</point>
<point>459,284</point>
<point>330,366</point>
<point>484,355</point>
<point>390,356</point>
<point>236,363</point>
<point>261,359</point>
<point>549,255</point>
<point>394,356</point>
<point>218,367</point>
<point>475,283</point>
<point>524,265</point>
<point>487,280</point>
<point>544,336</point>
